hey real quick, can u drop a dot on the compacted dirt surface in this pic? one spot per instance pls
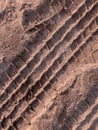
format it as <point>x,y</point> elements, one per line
<point>48,64</point>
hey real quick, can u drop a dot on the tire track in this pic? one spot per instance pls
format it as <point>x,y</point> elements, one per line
<point>42,13</point>
<point>77,49</point>
<point>88,126</point>
<point>26,54</point>
<point>20,102</point>
<point>86,115</point>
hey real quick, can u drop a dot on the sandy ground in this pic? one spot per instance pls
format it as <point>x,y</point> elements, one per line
<point>48,65</point>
